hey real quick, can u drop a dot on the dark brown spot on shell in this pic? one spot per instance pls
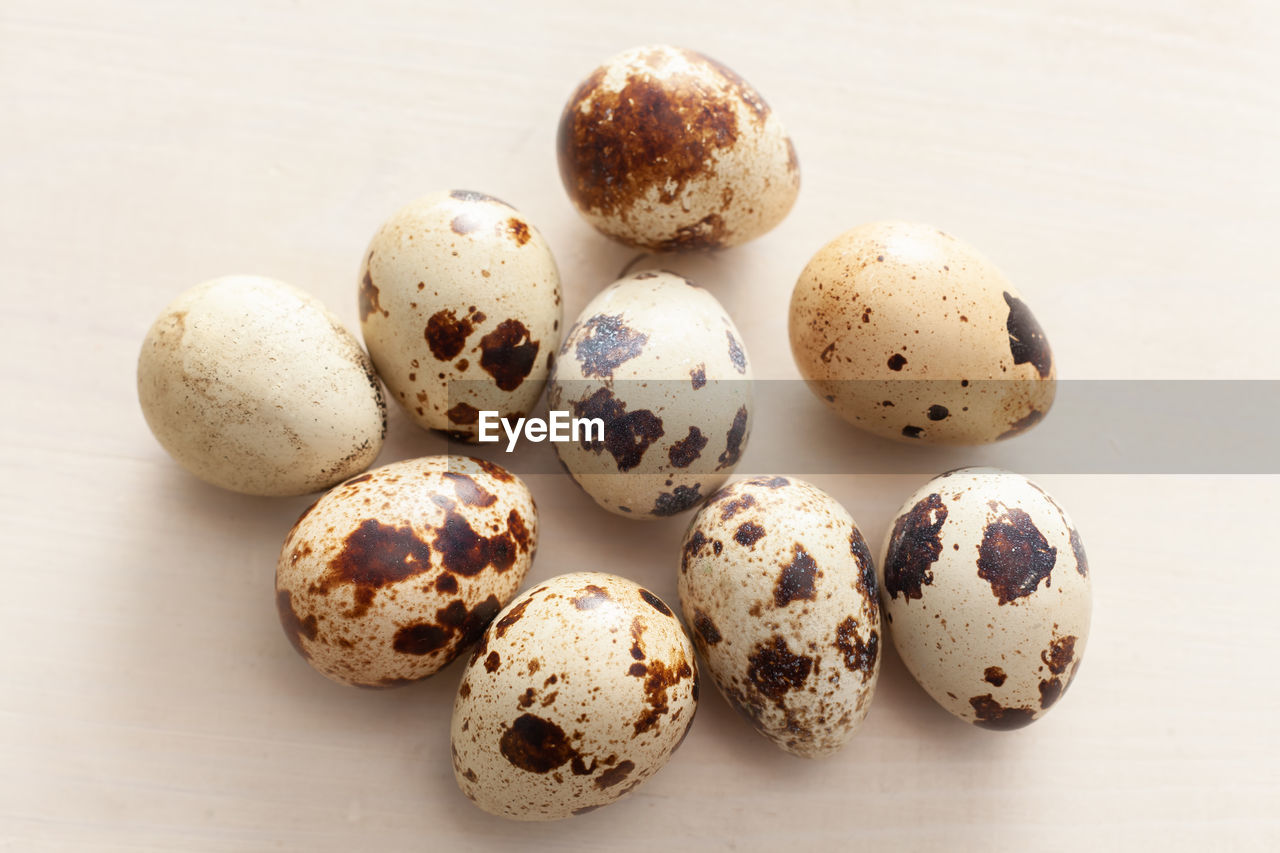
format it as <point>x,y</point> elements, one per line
<point>774,670</point>
<point>446,333</point>
<point>733,441</point>
<point>497,472</point>
<point>676,501</point>
<point>683,452</point>
<point>912,431</point>
<point>513,616</point>
<point>697,539</point>
<point>698,376</point>
<point>658,679</point>
<point>991,715</point>
<point>518,231</point>
<point>1027,342</point>
<point>796,582</point>
<point>446,583</point>
<point>656,603</point>
<point>914,545</point>
<point>736,354</point>
<point>748,534</point>
<point>896,361</point>
<point>938,413</point>
<point>1059,654</point>
<point>1077,548</point>
<point>709,232</point>
<point>614,775</point>
<point>508,353</point>
<point>590,597</point>
<point>859,656</point>
<point>627,435</point>
<point>463,413</point>
<point>372,556</point>
<point>605,343</point>
<point>994,675</point>
<point>518,531</point>
<point>492,662</point>
<point>295,628</point>
<point>1014,556</point>
<point>454,620</point>
<point>706,628</point>
<point>369,303</point>
<point>465,552</point>
<point>730,508</point>
<point>536,745</point>
<point>866,565</point>
<point>469,491</point>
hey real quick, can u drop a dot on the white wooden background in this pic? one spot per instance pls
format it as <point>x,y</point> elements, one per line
<point>1118,160</point>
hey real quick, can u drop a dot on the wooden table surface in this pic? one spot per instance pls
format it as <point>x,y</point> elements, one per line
<point>1119,161</point>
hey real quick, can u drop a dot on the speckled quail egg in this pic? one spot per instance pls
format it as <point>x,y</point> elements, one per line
<point>579,691</point>
<point>908,333</point>
<point>986,587</point>
<point>252,385</point>
<point>660,364</point>
<point>460,308</point>
<point>779,588</point>
<point>666,149</point>
<point>388,577</point>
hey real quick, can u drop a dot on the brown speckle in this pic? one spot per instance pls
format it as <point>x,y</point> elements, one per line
<point>605,343</point>
<point>518,231</point>
<point>469,491</point>
<point>656,603</point>
<point>706,628</point>
<point>914,545</point>
<point>1059,654</point>
<point>698,376</point>
<point>372,556</point>
<point>683,452</point>
<point>748,534</point>
<point>295,628</point>
<point>508,353</point>
<point>536,745</point>
<point>446,333</point>
<point>1014,556</point>
<point>896,361</point>
<point>733,441</point>
<point>369,303</point>
<point>774,669</point>
<point>513,616</point>
<point>858,656</point>
<point>736,354</point>
<point>467,553</point>
<point>994,675</point>
<point>627,435</point>
<point>676,501</point>
<point>492,662</point>
<point>1027,342</point>
<point>463,413</point>
<point>938,413</point>
<point>796,582</point>
<point>912,431</point>
<point>614,775</point>
<point>590,597</point>
<point>1023,424</point>
<point>991,715</point>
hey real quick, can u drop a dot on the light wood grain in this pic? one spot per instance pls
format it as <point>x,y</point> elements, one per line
<point>1119,163</point>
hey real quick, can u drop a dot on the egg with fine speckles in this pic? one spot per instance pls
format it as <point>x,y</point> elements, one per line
<point>391,575</point>
<point>779,589</point>
<point>254,386</point>
<point>665,149</point>
<point>657,363</point>
<point>910,334</point>
<point>460,309</point>
<point>577,693</point>
<point>985,584</point>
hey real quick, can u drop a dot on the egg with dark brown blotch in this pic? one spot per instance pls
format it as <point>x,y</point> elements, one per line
<point>659,365</point>
<point>391,575</point>
<point>779,589</point>
<point>578,692</point>
<point>666,149</point>
<point>908,333</point>
<point>460,308</point>
<point>986,587</point>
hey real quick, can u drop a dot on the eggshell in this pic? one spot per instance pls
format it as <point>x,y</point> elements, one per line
<point>252,385</point>
<point>910,334</point>
<point>391,575</point>
<point>658,360</point>
<point>780,590</point>
<point>460,308</point>
<point>578,692</point>
<point>986,586</point>
<point>666,149</point>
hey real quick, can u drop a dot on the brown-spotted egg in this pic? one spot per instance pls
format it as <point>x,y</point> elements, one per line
<point>666,149</point>
<point>778,586</point>
<point>579,691</point>
<point>659,363</point>
<point>911,334</point>
<point>460,308</point>
<point>986,587</point>
<point>389,576</point>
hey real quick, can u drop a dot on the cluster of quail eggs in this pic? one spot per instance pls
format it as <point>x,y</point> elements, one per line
<point>579,689</point>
